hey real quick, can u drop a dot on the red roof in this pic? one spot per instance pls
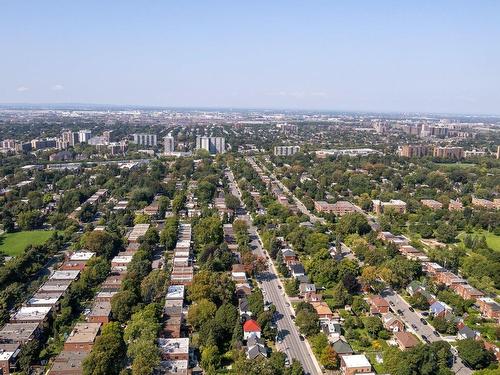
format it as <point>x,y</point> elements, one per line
<point>251,326</point>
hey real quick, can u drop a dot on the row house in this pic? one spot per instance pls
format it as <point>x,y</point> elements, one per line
<point>455,205</point>
<point>484,203</point>
<point>467,292</point>
<point>9,354</point>
<point>489,308</point>
<point>448,278</point>
<point>182,275</point>
<point>396,205</point>
<point>82,337</point>
<point>432,204</point>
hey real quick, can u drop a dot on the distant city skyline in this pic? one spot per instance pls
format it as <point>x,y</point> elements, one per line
<point>379,57</point>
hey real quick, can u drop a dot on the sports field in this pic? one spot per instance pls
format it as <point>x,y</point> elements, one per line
<point>13,244</point>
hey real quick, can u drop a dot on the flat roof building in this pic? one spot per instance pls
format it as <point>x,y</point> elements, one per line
<point>175,292</point>
<point>65,275</point>
<point>68,363</point>
<point>174,348</point>
<point>19,332</point>
<point>82,337</point>
<point>31,314</point>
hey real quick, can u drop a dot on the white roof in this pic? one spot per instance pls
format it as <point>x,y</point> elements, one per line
<point>5,355</point>
<point>31,313</point>
<point>356,361</point>
<point>65,275</point>
<point>174,366</point>
<point>122,259</point>
<point>34,301</point>
<point>175,292</point>
<point>174,346</point>
<point>81,255</point>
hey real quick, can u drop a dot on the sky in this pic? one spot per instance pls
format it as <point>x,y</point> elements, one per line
<point>418,56</point>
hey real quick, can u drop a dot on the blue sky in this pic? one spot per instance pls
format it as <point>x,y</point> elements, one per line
<point>434,56</point>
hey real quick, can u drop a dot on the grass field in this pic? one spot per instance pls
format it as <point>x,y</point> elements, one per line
<point>13,244</point>
<point>492,239</point>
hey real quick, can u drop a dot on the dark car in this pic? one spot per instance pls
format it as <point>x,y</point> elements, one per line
<point>279,287</point>
<point>424,322</point>
<point>425,339</point>
<point>301,337</point>
<point>292,317</point>
<point>411,309</point>
<point>400,312</point>
<point>436,333</point>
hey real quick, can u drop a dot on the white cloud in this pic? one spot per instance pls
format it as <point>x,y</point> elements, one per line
<point>22,89</point>
<point>57,87</point>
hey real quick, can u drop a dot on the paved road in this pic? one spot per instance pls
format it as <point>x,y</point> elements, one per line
<point>412,319</point>
<point>273,291</point>
<point>313,218</point>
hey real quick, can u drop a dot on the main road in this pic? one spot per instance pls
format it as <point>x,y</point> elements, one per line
<point>411,318</point>
<point>292,344</point>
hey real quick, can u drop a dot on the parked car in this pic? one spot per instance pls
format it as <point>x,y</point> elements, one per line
<point>301,337</point>
<point>411,309</point>
<point>425,339</point>
<point>424,322</point>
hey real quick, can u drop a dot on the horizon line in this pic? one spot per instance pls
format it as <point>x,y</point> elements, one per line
<point>17,105</point>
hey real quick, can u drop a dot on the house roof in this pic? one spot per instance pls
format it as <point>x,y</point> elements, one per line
<point>243,304</point>
<point>356,361</point>
<point>255,351</point>
<point>322,308</point>
<point>467,332</point>
<point>406,339</point>
<point>379,301</point>
<point>254,340</point>
<point>342,347</point>
<point>251,326</point>
<point>297,268</point>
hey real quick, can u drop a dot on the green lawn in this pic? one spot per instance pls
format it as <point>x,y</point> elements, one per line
<point>13,244</point>
<point>492,239</point>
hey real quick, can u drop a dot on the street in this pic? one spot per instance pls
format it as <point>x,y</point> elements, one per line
<point>273,292</point>
<point>412,319</point>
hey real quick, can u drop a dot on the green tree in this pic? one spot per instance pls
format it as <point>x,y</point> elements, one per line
<point>474,354</point>
<point>29,220</point>
<point>201,312</point>
<point>154,286</point>
<point>307,321</point>
<point>108,353</point>
<point>122,304</point>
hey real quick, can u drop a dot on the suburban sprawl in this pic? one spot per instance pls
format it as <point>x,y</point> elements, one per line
<point>172,241</point>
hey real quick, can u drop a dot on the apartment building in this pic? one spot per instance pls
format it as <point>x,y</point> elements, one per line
<point>432,204</point>
<point>286,150</point>
<point>415,151</point>
<point>394,204</point>
<point>143,139</point>
<point>214,145</point>
<point>448,152</point>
